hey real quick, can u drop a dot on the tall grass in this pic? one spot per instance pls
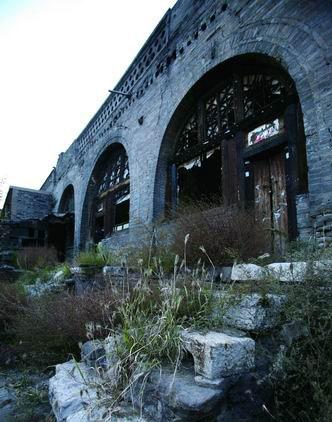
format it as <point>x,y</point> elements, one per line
<point>151,318</point>
<point>227,233</point>
<point>303,384</point>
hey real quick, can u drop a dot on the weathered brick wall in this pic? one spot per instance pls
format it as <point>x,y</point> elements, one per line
<point>29,204</point>
<point>193,38</point>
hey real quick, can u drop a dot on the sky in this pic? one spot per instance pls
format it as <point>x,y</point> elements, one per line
<point>58,59</point>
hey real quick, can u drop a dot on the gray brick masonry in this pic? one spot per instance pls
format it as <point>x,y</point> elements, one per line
<point>191,39</point>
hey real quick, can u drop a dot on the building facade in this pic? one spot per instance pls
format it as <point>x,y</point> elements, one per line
<point>225,99</point>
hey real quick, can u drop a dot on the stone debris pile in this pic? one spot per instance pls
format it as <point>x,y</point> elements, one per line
<point>219,368</point>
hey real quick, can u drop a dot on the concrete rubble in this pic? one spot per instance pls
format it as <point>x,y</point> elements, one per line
<point>218,355</point>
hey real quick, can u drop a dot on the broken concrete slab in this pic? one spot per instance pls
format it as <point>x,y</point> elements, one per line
<point>217,355</point>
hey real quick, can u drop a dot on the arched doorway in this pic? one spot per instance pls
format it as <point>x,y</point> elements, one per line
<point>238,135</point>
<point>108,197</point>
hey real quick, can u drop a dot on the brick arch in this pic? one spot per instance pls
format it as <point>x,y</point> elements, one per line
<point>111,144</point>
<point>68,194</point>
<point>202,85</point>
<point>300,50</point>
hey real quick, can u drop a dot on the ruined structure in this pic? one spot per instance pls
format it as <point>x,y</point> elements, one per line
<point>228,99</point>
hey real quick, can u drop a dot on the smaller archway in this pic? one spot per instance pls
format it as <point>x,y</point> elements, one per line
<point>107,202</point>
<point>67,202</point>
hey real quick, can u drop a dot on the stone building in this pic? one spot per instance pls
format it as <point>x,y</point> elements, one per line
<point>227,98</point>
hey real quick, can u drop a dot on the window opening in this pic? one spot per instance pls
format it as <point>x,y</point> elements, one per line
<point>112,195</point>
<point>249,104</point>
<point>200,178</point>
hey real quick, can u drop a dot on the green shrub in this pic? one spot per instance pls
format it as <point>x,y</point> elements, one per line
<point>41,275</point>
<point>303,386</point>
<point>98,258</point>
<point>31,258</point>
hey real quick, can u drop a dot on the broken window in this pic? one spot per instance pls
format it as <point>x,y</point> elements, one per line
<point>200,178</point>
<point>261,91</point>
<point>245,109</point>
<point>111,210</point>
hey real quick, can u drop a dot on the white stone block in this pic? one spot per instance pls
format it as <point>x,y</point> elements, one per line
<point>254,312</point>
<point>73,396</point>
<point>245,272</point>
<point>69,391</point>
<point>324,265</point>
<point>288,271</point>
<point>218,355</point>
<point>76,270</point>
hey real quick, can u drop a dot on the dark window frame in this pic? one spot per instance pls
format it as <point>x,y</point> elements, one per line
<point>112,181</point>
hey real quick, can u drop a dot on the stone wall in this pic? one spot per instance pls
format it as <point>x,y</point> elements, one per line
<point>323,227</point>
<point>28,204</point>
<point>191,39</point>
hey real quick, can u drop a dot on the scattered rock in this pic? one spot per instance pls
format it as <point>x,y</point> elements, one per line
<point>74,396</point>
<point>170,395</point>
<point>56,283</point>
<point>254,312</point>
<point>114,271</point>
<point>7,403</point>
<point>225,274</point>
<point>23,396</point>
<point>245,272</point>
<point>69,392</point>
<point>288,271</point>
<point>217,355</point>
<point>93,354</point>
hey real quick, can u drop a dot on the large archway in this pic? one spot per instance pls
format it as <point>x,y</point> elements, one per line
<point>107,201</point>
<point>238,135</point>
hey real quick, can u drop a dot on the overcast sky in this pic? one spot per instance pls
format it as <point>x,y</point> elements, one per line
<point>58,60</point>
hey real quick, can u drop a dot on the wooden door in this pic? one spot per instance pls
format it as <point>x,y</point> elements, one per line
<point>279,202</point>
<point>270,198</point>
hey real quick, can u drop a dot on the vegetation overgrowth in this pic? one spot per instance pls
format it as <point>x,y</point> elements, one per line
<point>228,233</point>
<point>32,258</point>
<point>302,383</point>
<point>98,257</point>
<point>146,321</point>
